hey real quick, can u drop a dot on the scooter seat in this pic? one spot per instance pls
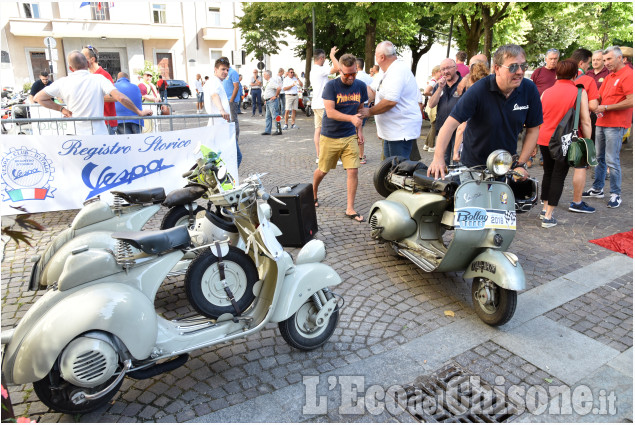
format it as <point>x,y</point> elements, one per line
<point>155,195</point>
<point>158,241</point>
<point>184,195</point>
<point>430,183</point>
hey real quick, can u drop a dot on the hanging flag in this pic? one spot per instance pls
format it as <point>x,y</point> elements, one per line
<point>84,3</point>
<point>112,4</point>
<point>99,6</point>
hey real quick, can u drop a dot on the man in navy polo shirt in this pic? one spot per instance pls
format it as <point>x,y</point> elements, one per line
<point>496,108</point>
<point>133,92</point>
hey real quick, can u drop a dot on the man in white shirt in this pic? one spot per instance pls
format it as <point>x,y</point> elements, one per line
<point>319,78</point>
<point>84,94</point>
<point>199,94</point>
<point>270,93</point>
<point>368,80</point>
<point>290,86</point>
<point>396,103</point>
<point>215,96</point>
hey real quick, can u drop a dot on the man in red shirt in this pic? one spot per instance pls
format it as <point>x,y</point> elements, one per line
<point>599,71</point>
<point>91,55</point>
<point>615,114</point>
<point>545,76</point>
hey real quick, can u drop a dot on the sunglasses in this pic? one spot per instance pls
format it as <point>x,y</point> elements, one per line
<point>352,74</point>
<point>92,49</point>
<point>513,68</point>
<point>224,61</point>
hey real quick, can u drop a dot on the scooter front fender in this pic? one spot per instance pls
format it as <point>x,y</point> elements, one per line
<point>500,267</point>
<point>59,317</point>
<point>299,285</point>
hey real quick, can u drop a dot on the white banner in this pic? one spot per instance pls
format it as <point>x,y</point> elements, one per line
<point>51,173</point>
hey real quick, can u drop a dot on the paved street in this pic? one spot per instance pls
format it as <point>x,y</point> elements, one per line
<point>401,326</point>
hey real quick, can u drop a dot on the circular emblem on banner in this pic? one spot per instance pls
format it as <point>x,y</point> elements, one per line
<point>26,174</point>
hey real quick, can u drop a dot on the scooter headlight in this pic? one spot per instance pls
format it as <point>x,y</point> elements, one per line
<point>499,162</point>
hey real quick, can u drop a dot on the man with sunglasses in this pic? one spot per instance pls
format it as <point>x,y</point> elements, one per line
<point>342,133</point>
<point>290,86</point>
<point>92,56</point>
<point>496,108</point>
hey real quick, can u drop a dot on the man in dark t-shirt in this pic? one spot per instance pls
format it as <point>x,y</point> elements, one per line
<point>496,108</point>
<point>39,84</point>
<point>341,130</point>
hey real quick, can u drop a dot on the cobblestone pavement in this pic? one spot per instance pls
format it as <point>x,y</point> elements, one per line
<point>389,301</point>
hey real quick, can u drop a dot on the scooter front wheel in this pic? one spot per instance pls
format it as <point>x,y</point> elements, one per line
<point>178,216</point>
<point>301,332</point>
<point>204,287</point>
<point>494,305</point>
<point>57,394</point>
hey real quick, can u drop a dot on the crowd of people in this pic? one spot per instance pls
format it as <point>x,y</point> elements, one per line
<point>473,110</point>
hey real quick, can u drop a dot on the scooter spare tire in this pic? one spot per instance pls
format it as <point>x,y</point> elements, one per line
<point>308,111</point>
<point>57,393</point>
<point>300,332</point>
<point>493,305</point>
<point>204,288</point>
<point>178,216</point>
<point>382,186</point>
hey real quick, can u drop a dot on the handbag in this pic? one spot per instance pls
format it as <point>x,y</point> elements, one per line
<point>566,131</point>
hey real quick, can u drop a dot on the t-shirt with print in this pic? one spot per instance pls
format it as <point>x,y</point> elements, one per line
<point>347,100</point>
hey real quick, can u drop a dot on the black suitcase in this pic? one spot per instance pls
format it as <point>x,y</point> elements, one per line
<point>297,219</point>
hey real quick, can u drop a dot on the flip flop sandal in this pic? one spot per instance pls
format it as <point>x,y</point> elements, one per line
<point>355,217</point>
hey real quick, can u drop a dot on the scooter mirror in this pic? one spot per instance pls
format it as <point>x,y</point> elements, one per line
<point>221,173</point>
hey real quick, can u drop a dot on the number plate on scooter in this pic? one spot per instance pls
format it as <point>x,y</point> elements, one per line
<point>473,218</point>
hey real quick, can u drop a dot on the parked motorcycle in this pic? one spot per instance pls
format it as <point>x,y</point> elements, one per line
<point>306,100</point>
<point>98,323</point>
<point>480,210</point>
<point>130,211</point>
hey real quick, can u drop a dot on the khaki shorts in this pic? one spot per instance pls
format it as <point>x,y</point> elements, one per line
<point>290,102</point>
<point>331,150</point>
<point>317,117</point>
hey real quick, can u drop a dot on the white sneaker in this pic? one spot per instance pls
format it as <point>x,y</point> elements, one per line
<point>424,148</point>
<point>430,149</point>
<point>339,162</point>
<point>317,160</point>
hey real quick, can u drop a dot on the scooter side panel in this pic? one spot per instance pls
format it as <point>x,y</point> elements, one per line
<point>52,323</point>
<point>131,220</point>
<point>299,285</point>
<point>495,266</point>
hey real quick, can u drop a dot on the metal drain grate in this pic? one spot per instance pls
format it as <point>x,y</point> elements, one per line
<point>453,395</point>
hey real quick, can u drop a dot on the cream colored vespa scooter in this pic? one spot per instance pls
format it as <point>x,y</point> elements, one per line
<point>98,323</point>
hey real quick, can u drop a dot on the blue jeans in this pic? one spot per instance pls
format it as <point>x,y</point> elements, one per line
<point>608,142</point>
<point>270,114</point>
<point>111,130</point>
<point>256,100</point>
<point>398,148</point>
<point>281,103</point>
<point>128,128</point>
<point>164,96</point>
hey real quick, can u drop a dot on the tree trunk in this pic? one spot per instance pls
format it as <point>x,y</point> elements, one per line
<point>369,45</point>
<point>489,20</point>
<point>309,54</point>
<point>473,31</point>
<point>417,52</point>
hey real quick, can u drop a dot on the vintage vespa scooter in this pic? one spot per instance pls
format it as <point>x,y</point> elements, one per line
<point>98,323</point>
<point>481,212</point>
<point>130,211</point>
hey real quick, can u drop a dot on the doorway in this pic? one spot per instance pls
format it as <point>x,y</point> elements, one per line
<point>164,64</point>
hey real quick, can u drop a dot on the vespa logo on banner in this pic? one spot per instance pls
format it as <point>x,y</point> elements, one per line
<point>26,175</point>
<point>471,218</point>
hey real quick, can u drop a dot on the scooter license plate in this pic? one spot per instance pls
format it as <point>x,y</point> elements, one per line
<point>474,218</point>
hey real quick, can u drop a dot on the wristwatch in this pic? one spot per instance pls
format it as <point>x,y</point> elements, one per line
<point>521,165</point>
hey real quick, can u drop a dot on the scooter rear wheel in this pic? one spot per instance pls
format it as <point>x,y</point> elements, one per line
<point>60,399</point>
<point>203,283</point>
<point>494,305</point>
<point>379,178</point>
<point>178,216</point>
<point>301,333</point>
<point>308,111</point>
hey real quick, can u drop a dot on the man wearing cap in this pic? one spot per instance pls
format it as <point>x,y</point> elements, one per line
<point>149,94</point>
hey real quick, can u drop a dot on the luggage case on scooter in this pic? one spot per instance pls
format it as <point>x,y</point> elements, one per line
<point>297,219</point>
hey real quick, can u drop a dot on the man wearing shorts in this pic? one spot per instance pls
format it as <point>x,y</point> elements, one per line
<point>341,132</point>
<point>290,88</point>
